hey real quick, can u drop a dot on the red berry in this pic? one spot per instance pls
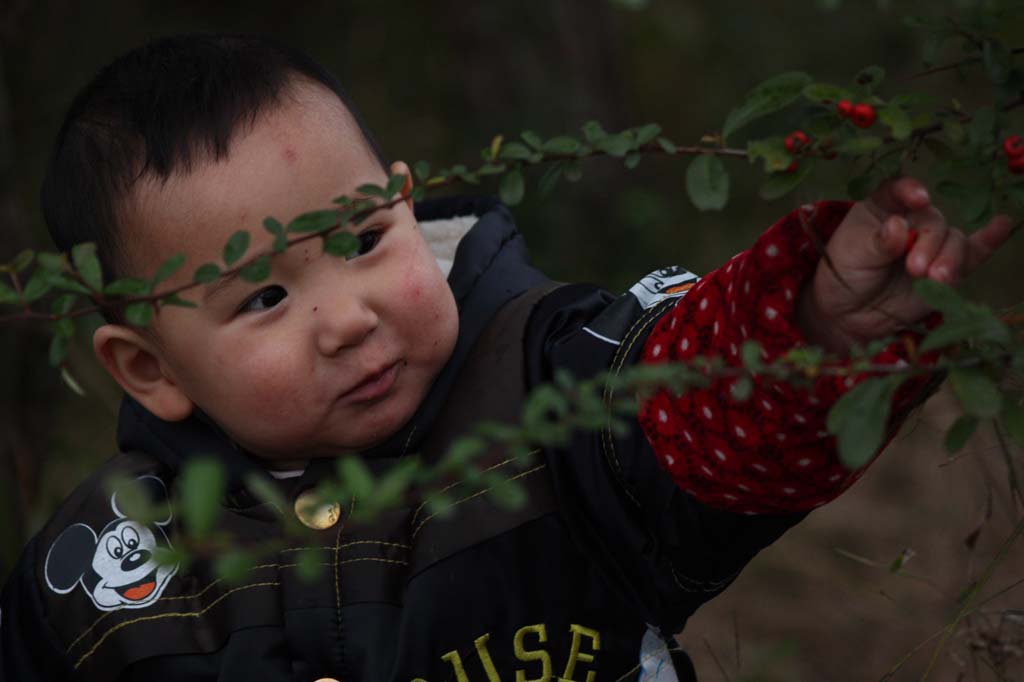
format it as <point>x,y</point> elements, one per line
<point>863,116</point>
<point>911,238</point>
<point>845,108</point>
<point>796,140</point>
<point>1016,164</point>
<point>1013,146</point>
<point>791,168</point>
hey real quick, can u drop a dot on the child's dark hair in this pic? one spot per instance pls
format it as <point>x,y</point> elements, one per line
<point>158,110</point>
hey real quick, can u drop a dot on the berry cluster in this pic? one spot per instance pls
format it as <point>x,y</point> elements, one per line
<point>861,115</point>
<point>1013,147</point>
<point>796,142</point>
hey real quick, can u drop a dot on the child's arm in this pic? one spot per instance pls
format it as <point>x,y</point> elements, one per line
<point>771,453</point>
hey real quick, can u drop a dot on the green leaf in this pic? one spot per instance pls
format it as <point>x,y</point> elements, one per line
<point>63,304</point>
<point>549,180</point>
<point>355,476</point>
<point>860,417</point>
<point>169,267</point>
<point>667,145</point>
<point>491,169</point>
<point>8,295</point>
<point>38,284</point>
<point>741,389</point>
<point>392,485</point>
<point>233,565</point>
<point>370,190</point>
<point>772,150</point>
<point>707,183</point>
<point>236,247</point>
<point>532,139</point>
<point>593,132</point>
<point>273,226</point>
<point>134,500</point>
<point>955,131</point>
<point>960,432</point>
<point>977,393</point>
<point>265,491</point>
<point>1012,420</point>
<point>128,286</point>
<point>88,265</point>
<point>955,330</point>
<point>573,171</point>
<point>870,78</point>
<point>256,271</point>
<point>515,151</point>
<point>617,145</point>
<point>941,297</point>
<point>512,187</point>
<point>632,160</point>
<point>23,260</point>
<point>206,273</point>
<point>314,221</point>
<point>139,314</point>
<point>825,93</point>
<point>646,133</point>
<point>509,494</point>
<point>310,563</point>
<point>897,120</point>
<point>201,488</point>
<point>341,244</point>
<point>769,97</point>
<point>780,184</point>
<point>395,184</point>
<point>752,355</point>
<point>176,300</point>
<point>54,262</point>
<point>862,144</point>
<point>421,169</point>
<point>560,145</point>
<point>59,345</point>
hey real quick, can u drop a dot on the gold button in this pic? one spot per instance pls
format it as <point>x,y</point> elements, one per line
<point>315,513</point>
<point>326,679</point>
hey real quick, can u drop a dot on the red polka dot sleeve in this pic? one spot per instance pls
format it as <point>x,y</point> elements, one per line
<point>770,453</point>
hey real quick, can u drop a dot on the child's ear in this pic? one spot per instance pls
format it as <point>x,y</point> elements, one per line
<point>401,168</point>
<point>134,362</point>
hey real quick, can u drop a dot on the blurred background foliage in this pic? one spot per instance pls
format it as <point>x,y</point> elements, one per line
<point>437,80</point>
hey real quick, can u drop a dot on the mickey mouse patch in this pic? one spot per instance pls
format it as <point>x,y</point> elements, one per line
<point>116,567</point>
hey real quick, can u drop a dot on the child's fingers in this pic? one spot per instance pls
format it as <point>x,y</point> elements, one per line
<point>946,266</point>
<point>900,195</point>
<point>981,244</point>
<point>932,231</point>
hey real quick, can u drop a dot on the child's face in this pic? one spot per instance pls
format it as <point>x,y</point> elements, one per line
<point>327,356</point>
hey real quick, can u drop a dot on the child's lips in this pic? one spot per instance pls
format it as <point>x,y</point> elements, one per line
<point>374,386</point>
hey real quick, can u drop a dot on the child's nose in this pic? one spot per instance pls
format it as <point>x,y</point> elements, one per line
<point>343,321</point>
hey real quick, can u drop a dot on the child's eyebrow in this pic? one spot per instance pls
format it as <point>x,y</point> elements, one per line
<point>216,287</point>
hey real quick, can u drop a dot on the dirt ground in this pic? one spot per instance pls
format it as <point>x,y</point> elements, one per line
<point>822,605</point>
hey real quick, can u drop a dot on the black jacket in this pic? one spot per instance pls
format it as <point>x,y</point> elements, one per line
<point>607,559</point>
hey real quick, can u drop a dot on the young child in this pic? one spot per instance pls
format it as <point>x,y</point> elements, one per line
<point>177,145</point>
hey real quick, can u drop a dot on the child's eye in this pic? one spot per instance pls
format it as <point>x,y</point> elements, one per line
<point>368,240</point>
<point>264,299</point>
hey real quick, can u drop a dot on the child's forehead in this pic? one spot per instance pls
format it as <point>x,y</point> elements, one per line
<point>294,157</point>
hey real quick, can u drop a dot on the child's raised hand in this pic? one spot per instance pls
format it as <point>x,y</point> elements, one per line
<point>876,260</point>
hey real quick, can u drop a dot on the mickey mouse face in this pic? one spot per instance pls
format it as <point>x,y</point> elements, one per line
<point>118,569</point>
<point>124,561</point>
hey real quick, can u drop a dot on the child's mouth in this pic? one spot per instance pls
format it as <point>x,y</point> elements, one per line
<point>373,387</point>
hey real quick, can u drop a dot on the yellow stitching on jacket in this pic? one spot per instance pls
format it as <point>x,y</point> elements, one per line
<point>476,494</point>
<point>200,593</point>
<point>159,616</point>
<point>370,558</point>
<point>461,480</point>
